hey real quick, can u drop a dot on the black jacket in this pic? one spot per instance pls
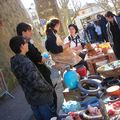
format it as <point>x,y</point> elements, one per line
<point>35,56</point>
<point>37,90</point>
<point>51,44</point>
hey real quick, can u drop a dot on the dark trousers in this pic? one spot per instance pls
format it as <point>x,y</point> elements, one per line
<point>82,55</point>
<point>117,51</point>
<point>100,39</point>
<point>105,36</point>
<point>82,62</point>
<point>44,112</point>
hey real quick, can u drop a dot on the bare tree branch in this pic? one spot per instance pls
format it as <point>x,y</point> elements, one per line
<point>105,4</point>
<point>59,2</point>
<point>76,7</point>
<point>63,3</point>
<point>114,2</point>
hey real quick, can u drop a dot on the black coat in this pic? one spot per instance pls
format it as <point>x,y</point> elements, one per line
<point>51,44</point>
<point>35,56</point>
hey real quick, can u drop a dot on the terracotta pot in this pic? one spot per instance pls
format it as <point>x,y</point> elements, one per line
<point>113,90</point>
<point>92,52</point>
<point>89,46</point>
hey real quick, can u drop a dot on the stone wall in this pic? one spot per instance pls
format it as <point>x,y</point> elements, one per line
<point>12,12</point>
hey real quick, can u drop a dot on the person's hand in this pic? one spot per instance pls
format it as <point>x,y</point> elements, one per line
<point>44,59</point>
<point>66,45</point>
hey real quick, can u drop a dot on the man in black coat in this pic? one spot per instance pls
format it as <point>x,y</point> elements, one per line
<point>113,30</point>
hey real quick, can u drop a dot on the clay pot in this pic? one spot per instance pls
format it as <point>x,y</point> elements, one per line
<point>89,46</point>
<point>92,52</point>
<point>113,90</point>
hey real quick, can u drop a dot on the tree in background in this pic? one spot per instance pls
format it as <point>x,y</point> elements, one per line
<point>62,7</point>
<point>68,13</point>
<point>109,5</point>
<point>116,4</point>
<point>58,8</point>
<point>76,8</point>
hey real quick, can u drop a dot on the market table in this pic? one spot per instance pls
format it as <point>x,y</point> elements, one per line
<point>92,60</point>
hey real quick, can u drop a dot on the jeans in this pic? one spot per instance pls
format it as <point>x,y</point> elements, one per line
<point>44,112</point>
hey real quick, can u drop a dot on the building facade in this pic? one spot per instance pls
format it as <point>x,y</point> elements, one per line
<point>87,13</point>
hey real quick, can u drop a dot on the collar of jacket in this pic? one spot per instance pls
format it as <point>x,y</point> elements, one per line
<point>117,20</point>
<point>110,36</point>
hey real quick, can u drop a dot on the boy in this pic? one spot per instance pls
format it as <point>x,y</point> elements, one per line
<point>38,92</point>
<point>25,30</point>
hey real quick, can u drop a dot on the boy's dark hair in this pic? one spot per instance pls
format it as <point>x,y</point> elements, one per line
<point>23,27</point>
<point>74,26</point>
<point>109,14</point>
<point>15,44</point>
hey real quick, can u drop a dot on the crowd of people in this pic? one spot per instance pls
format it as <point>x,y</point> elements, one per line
<point>95,31</point>
<point>28,63</point>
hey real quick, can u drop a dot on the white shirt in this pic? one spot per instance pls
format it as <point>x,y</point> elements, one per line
<point>72,43</point>
<point>31,41</point>
<point>98,30</point>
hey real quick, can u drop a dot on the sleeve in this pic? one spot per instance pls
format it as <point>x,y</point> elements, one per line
<point>35,79</point>
<point>52,47</point>
<point>34,54</point>
<point>66,40</point>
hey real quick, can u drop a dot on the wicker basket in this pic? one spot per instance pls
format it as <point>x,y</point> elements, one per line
<point>109,73</point>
